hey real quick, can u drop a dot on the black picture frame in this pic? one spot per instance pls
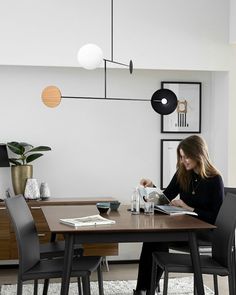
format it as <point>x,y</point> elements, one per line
<point>168,160</point>
<point>187,116</point>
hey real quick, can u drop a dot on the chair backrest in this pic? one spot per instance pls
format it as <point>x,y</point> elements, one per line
<point>223,235</point>
<point>230,190</point>
<point>25,230</point>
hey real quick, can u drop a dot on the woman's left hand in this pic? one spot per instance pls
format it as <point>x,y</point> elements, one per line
<point>180,203</point>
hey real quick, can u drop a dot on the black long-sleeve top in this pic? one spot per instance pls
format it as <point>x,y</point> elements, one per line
<point>204,195</point>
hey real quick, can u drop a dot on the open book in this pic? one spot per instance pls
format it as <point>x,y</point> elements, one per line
<point>153,194</point>
<point>172,210</point>
<point>87,221</point>
<point>161,202</point>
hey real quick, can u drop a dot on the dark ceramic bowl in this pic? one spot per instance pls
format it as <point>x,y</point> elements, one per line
<point>103,207</point>
<point>114,205</point>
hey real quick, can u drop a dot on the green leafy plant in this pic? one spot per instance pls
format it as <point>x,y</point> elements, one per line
<point>25,152</point>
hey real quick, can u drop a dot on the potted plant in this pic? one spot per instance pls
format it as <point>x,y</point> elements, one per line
<point>25,153</point>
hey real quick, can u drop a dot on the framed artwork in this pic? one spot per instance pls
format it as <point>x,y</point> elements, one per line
<point>187,116</point>
<point>168,160</point>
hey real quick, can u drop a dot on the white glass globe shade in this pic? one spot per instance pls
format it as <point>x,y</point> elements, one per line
<point>90,56</point>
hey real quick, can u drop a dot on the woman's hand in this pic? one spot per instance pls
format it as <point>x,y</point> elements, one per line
<point>180,203</point>
<point>146,182</point>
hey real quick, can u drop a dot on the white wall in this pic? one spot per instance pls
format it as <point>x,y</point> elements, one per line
<point>218,116</point>
<point>232,119</point>
<point>156,34</point>
<point>98,148</point>
<point>232,22</point>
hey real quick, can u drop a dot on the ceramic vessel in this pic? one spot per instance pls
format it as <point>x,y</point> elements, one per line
<point>103,207</point>
<point>32,189</point>
<point>44,191</point>
<point>19,175</point>
<point>114,205</point>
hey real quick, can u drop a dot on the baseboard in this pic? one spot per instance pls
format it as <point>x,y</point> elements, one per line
<point>123,261</point>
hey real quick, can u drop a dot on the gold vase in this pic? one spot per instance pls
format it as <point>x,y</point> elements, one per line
<point>19,175</point>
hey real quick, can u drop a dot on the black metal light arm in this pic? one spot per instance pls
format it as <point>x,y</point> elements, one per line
<point>116,62</point>
<point>110,98</point>
<point>107,98</point>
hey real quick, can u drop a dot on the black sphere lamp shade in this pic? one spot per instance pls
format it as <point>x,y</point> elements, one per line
<point>164,101</point>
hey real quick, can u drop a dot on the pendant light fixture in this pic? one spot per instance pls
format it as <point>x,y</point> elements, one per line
<point>90,56</point>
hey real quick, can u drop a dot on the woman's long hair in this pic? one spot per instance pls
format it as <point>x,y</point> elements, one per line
<point>195,148</point>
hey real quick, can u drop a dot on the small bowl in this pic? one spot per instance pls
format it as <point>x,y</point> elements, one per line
<point>103,207</point>
<point>114,205</point>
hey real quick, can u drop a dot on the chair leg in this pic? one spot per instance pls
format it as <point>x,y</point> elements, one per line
<point>19,287</point>
<point>231,284</point>
<point>79,286</point>
<point>86,285</point>
<point>165,288</point>
<point>35,287</point>
<point>194,286</point>
<point>232,267</point>
<point>154,276</point>
<point>45,286</point>
<point>100,280</point>
<point>105,263</point>
<point>215,284</point>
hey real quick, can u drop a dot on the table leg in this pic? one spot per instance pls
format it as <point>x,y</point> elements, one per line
<point>53,237</point>
<point>65,281</point>
<point>196,263</point>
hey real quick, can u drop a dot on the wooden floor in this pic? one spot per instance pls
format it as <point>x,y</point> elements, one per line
<point>116,272</point>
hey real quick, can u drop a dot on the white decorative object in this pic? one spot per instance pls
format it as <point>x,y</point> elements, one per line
<point>32,189</point>
<point>44,191</point>
<point>90,56</point>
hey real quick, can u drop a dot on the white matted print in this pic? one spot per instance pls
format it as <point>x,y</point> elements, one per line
<point>187,116</point>
<point>168,160</point>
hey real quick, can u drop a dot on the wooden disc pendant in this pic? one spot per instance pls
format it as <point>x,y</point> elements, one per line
<point>51,96</point>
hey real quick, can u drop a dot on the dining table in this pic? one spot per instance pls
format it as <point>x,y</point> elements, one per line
<point>127,228</point>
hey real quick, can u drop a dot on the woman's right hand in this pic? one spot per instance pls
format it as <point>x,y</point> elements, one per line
<point>146,182</point>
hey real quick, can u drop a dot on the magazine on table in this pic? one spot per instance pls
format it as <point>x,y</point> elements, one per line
<point>161,202</point>
<point>153,194</point>
<point>87,221</point>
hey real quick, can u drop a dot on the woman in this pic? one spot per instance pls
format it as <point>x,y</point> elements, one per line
<point>200,188</point>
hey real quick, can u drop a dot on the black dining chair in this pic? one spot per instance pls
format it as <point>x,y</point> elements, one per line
<point>53,248</point>
<point>204,245</point>
<point>221,262</point>
<point>31,266</point>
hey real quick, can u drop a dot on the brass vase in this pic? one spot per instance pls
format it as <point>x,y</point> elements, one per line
<point>19,175</point>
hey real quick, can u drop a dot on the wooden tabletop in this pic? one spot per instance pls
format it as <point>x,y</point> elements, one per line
<point>70,201</point>
<point>125,221</point>
<point>66,201</point>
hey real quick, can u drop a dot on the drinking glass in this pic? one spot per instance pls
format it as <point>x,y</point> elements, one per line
<point>149,208</point>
